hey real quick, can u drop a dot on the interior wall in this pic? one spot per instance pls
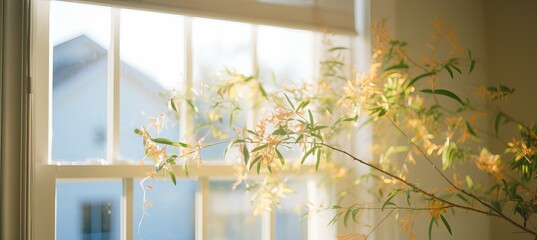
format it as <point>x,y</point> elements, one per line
<point>512,51</point>
<point>411,20</point>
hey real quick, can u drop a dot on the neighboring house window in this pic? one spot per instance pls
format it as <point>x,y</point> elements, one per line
<point>109,70</point>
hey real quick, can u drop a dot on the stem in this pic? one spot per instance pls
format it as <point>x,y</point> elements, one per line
<point>411,185</point>
<point>381,221</point>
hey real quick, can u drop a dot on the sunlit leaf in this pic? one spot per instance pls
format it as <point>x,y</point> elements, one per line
<point>337,49</point>
<point>192,105</point>
<point>307,154</point>
<point>169,142</point>
<point>310,116</point>
<point>302,105</point>
<point>471,131</point>
<point>262,90</point>
<point>258,167</point>
<point>346,217</point>
<point>319,152</point>
<point>172,176</point>
<point>354,213</point>
<point>388,201</point>
<point>173,104</point>
<point>469,181</point>
<point>289,101</point>
<point>279,131</point>
<point>256,160</point>
<point>245,154</point>
<point>260,147</point>
<point>280,156</point>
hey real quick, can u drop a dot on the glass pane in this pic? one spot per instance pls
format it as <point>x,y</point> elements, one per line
<point>285,54</point>
<point>152,52</point>
<point>293,206</point>
<point>230,213</point>
<point>80,36</point>
<point>171,215</point>
<point>88,210</point>
<point>217,46</point>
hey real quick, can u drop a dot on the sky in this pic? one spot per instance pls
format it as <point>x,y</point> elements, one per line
<point>155,41</point>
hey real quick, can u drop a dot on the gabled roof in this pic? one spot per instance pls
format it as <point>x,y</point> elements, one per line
<point>80,53</point>
<point>74,55</point>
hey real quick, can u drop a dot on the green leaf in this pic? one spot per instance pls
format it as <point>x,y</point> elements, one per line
<point>300,137</point>
<point>408,197</point>
<point>279,131</point>
<point>172,176</point>
<point>307,154</point>
<point>289,101</point>
<point>471,132</point>
<point>444,92</point>
<point>456,69</point>
<point>497,206</point>
<point>302,105</point>
<point>138,131</point>
<point>472,65</point>
<point>337,49</point>
<point>256,160</point>
<point>173,104</point>
<point>311,116</point>
<point>280,156</point>
<point>186,168</point>
<point>463,198</point>
<point>262,90</point>
<point>388,201</point>
<point>449,71</point>
<point>346,217</point>
<point>431,227</point>
<point>497,123</point>
<point>245,154</point>
<point>260,147</point>
<point>354,213</point>
<point>258,167</point>
<point>401,65</point>
<point>414,80</point>
<point>335,218</point>
<point>319,152</point>
<point>448,154</point>
<point>446,224</point>
<point>169,142</point>
<point>192,105</point>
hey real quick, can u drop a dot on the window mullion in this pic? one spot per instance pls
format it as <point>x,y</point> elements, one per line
<point>202,209</point>
<point>126,210</point>
<point>114,71</point>
<point>186,118</point>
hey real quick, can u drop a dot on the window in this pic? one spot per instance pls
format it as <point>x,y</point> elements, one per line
<point>108,68</point>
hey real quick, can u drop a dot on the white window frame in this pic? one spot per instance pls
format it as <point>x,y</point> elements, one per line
<point>46,174</point>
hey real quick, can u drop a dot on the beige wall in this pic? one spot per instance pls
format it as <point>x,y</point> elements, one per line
<point>503,35</point>
<point>512,60</point>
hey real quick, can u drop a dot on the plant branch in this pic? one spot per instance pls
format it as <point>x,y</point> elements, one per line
<point>411,185</point>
